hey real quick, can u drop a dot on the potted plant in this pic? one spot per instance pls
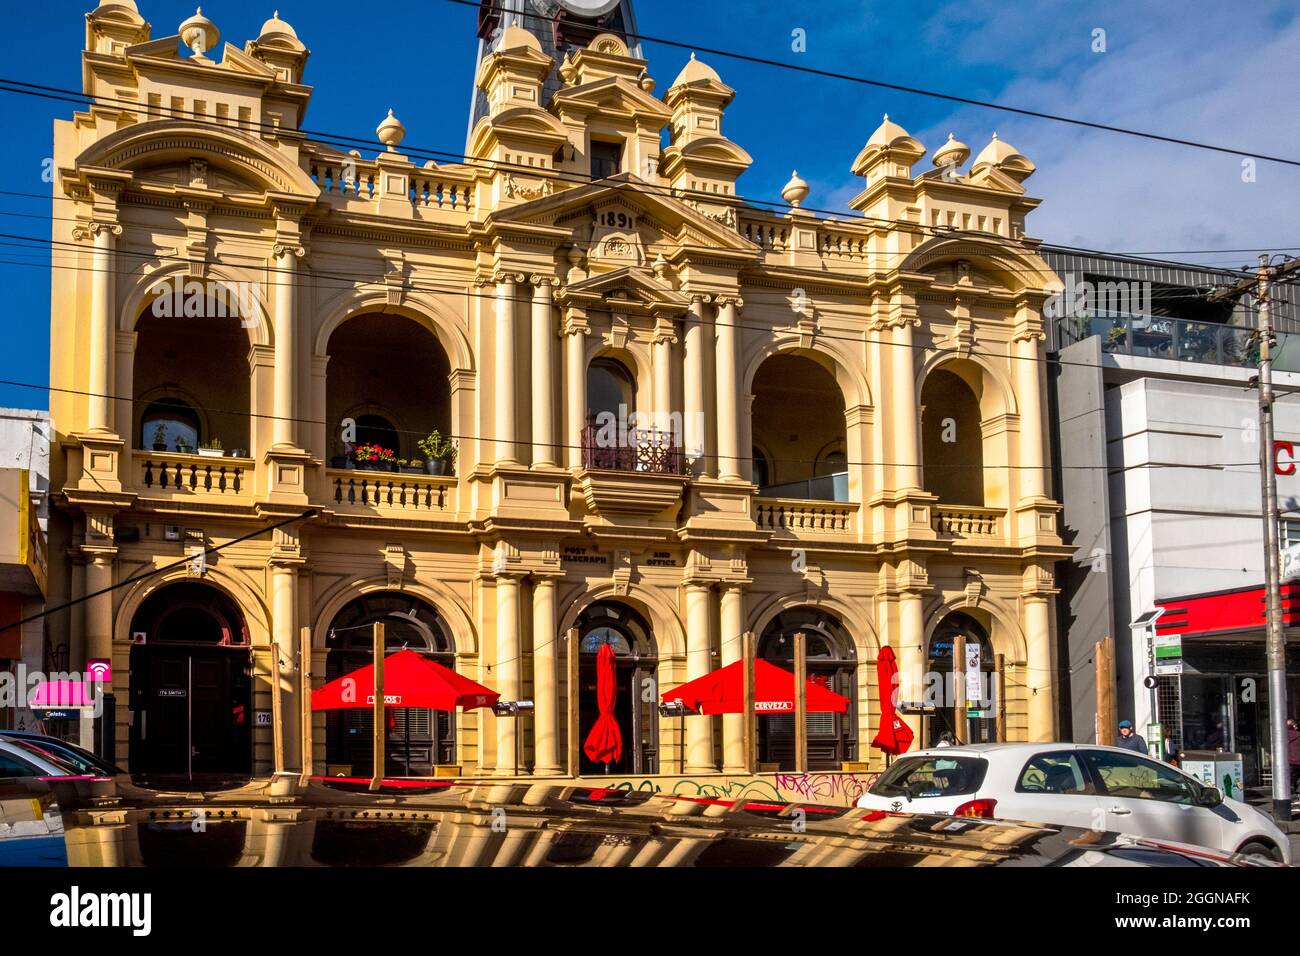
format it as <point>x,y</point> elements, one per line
<point>439,453</point>
<point>375,457</point>
<point>237,453</point>
<point>211,448</point>
<point>160,437</point>
<point>413,467</point>
<point>183,445</point>
<point>343,460</point>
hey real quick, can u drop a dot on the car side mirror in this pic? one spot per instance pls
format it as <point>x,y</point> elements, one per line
<point>1210,797</point>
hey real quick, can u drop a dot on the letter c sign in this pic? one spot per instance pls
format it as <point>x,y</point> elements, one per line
<point>1278,448</point>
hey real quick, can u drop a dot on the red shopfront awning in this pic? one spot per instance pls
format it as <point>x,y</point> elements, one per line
<point>410,680</point>
<point>723,692</point>
<point>1223,612</point>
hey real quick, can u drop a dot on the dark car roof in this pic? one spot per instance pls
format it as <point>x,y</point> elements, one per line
<point>57,745</point>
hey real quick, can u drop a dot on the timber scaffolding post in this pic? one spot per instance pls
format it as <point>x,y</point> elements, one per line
<point>377,774</point>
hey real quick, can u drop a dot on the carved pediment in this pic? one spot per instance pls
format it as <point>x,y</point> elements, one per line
<point>611,96</point>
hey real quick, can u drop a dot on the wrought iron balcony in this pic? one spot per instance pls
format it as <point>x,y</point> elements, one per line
<point>642,449</point>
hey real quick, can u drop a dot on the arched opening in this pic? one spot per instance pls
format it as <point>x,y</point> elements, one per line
<point>388,376</point>
<point>832,738</point>
<point>635,662</point>
<point>191,684</point>
<point>417,738</point>
<point>611,390</point>
<point>952,440</point>
<point>977,692</point>
<point>798,416</point>
<point>190,375</point>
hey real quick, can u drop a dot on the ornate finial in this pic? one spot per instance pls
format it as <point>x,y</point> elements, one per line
<point>391,131</point>
<point>199,34</point>
<point>795,191</point>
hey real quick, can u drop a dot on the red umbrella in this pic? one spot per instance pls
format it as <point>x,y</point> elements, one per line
<point>723,692</point>
<point>894,735</point>
<point>410,680</point>
<point>605,742</point>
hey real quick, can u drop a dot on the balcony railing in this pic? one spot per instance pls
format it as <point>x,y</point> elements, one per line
<point>1154,336</point>
<point>401,493</point>
<point>167,474</point>
<point>800,518</point>
<point>967,521</point>
<point>834,487</point>
<point>642,449</point>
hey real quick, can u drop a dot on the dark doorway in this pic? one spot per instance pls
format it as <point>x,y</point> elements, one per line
<point>418,738</point>
<point>832,738</point>
<point>191,686</point>
<point>980,729</point>
<point>635,661</point>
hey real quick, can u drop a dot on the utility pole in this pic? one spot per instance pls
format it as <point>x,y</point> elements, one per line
<point>1276,633</point>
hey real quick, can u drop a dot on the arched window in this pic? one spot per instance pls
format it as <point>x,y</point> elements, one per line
<point>952,441</point>
<point>377,430</point>
<point>418,738</point>
<point>831,661</point>
<point>610,389</point>
<point>629,636</point>
<point>762,474</point>
<point>170,423</point>
<point>981,729</point>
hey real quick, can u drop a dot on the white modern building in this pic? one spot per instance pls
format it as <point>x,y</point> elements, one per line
<point>1156,422</point>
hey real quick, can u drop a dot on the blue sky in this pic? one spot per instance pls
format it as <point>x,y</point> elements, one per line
<point>1206,71</point>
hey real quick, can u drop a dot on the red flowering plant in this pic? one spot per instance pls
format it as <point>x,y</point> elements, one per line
<point>373,454</point>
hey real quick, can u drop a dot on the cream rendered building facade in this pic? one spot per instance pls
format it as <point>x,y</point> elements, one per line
<point>504,300</point>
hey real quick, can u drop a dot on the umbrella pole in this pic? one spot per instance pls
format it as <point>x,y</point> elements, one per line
<point>377,770</point>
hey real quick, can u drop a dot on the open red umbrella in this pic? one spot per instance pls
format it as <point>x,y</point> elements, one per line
<point>605,742</point>
<point>723,692</point>
<point>894,736</point>
<point>410,680</point>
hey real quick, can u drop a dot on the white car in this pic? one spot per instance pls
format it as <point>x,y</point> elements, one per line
<point>1080,785</point>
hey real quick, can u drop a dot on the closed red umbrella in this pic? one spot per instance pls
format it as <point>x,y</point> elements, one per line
<point>894,736</point>
<point>605,742</point>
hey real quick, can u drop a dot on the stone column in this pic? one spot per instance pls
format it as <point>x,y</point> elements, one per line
<point>730,638</point>
<point>99,608</point>
<point>102,340</point>
<point>1039,669</point>
<point>285,429</point>
<point>911,656</point>
<point>544,385</point>
<point>284,631</point>
<point>1027,378</point>
<point>576,330</point>
<point>546,679</point>
<point>693,385</point>
<point>665,337</point>
<point>507,670</point>
<point>906,451</point>
<point>728,387</point>
<point>699,729</point>
<point>507,452</point>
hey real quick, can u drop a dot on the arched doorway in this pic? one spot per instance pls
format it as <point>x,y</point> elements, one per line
<point>832,738</point>
<point>798,415</point>
<point>191,684</point>
<point>635,662</point>
<point>418,738</point>
<point>980,729</point>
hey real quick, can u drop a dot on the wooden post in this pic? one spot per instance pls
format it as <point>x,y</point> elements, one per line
<point>1000,701</point>
<point>959,689</point>
<point>800,702</point>
<point>1104,661</point>
<point>751,718</point>
<point>277,713</point>
<point>381,731</point>
<point>304,691</point>
<point>571,662</point>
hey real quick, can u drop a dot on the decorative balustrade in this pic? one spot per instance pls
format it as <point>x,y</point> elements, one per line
<point>436,191</point>
<point>164,474</point>
<point>769,235</point>
<point>966,521</point>
<point>796,517</point>
<point>397,492</point>
<point>843,245</point>
<point>349,179</point>
<point>642,449</point>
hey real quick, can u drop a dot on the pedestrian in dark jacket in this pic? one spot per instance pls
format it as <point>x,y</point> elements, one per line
<point>1130,740</point>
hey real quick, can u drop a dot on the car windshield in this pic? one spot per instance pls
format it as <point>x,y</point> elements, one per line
<point>49,756</point>
<point>931,776</point>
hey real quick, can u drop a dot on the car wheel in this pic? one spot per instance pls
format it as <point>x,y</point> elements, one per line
<point>1259,849</point>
